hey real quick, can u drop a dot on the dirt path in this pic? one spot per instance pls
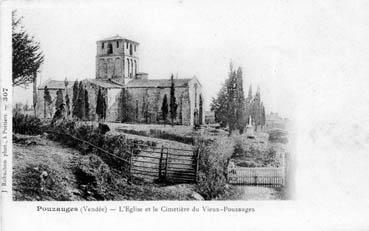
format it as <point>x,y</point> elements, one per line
<point>260,193</point>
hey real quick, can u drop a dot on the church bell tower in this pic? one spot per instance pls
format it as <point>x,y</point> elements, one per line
<point>117,59</point>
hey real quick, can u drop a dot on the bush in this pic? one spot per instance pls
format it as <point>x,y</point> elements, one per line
<point>94,177</point>
<point>27,125</point>
<point>118,145</point>
<point>213,163</point>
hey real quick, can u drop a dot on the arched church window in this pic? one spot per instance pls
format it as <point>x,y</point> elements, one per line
<point>135,67</point>
<point>117,44</point>
<point>102,45</point>
<point>128,67</point>
<point>130,49</point>
<point>110,48</point>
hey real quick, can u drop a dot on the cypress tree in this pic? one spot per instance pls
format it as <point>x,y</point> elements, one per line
<point>59,98</point>
<point>67,104</point>
<point>104,106</point>
<point>231,104</point>
<point>87,106</point>
<point>99,105</point>
<point>47,100</point>
<point>75,106</point>
<point>173,104</point>
<point>240,102</point>
<point>164,109</point>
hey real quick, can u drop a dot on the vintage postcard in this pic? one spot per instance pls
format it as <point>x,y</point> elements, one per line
<point>160,109</point>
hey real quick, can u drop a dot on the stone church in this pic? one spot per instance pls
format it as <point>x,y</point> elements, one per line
<point>130,95</point>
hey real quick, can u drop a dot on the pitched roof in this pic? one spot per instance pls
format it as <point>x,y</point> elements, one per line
<point>137,83</point>
<point>117,37</point>
<point>59,84</point>
<point>55,84</point>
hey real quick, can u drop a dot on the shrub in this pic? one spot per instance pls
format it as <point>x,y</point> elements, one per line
<point>27,125</point>
<point>213,163</point>
<point>118,145</point>
<point>94,177</point>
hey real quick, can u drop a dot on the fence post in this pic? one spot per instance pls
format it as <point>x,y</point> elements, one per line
<point>166,165</point>
<point>197,165</point>
<point>161,163</point>
<point>130,166</point>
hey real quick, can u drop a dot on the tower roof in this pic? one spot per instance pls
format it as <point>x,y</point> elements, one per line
<point>117,37</point>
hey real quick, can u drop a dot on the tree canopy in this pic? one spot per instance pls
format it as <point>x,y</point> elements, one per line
<point>27,56</point>
<point>232,109</point>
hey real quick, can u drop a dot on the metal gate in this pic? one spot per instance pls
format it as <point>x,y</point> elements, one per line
<point>164,164</point>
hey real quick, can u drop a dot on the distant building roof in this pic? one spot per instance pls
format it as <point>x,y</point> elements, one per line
<point>160,83</point>
<point>55,84</point>
<point>117,37</point>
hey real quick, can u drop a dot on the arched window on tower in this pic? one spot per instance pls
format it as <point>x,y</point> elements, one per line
<point>110,48</point>
<point>130,49</point>
<point>131,74</point>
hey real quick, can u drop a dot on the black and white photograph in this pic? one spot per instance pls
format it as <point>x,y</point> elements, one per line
<point>184,114</point>
<point>133,116</point>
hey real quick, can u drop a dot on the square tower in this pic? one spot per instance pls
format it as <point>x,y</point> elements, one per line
<point>116,59</point>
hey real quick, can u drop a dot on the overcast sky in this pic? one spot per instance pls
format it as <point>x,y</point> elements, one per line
<point>291,50</point>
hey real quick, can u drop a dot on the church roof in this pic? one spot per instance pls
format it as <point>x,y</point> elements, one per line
<point>59,84</point>
<point>138,83</point>
<point>117,37</point>
<point>105,83</point>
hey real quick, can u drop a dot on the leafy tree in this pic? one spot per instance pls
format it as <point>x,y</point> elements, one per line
<point>75,104</point>
<point>219,106</point>
<point>27,57</point>
<point>47,101</point>
<point>164,109</point>
<point>173,104</point>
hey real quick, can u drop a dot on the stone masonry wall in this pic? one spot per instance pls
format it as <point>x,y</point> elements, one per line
<point>154,99</point>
